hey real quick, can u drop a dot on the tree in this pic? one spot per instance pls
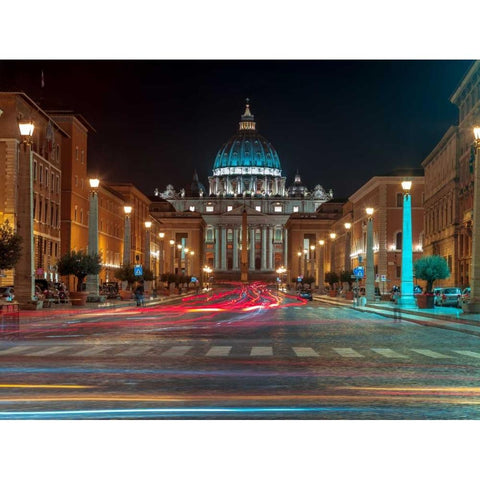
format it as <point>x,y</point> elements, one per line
<point>346,276</point>
<point>10,247</point>
<point>431,268</point>
<point>331,278</point>
<point>79,264</point>
<point>126,274</point>
<point>309,280</point>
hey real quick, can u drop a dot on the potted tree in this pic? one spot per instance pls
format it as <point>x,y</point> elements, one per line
<point>309,281</point>
<point>332,278</point>
<point>79,264</point>
<point>430,268</point>
<point>126,274</point>
<point>346,277</point>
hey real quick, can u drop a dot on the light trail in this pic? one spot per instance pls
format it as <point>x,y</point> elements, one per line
<point>16,385</point>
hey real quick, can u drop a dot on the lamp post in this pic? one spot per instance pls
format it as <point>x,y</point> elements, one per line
<point>206,273</point>
<point>299,253</point>
<point>180,248</point>
<point>305,259</point>
<point>321,260</point>
<point>127,246</point>
<point>172,255</point>
<point>312,262</point>
<point>24,270</point>
<point>148,226</point>
<point>162,253</point>
<point>333,236</point>
<point>93,280</point>
<point>186,250</point>
<point>191,253</point>
<point>370,281</point>
<point>347,263</point>
<point>474,305</point>
<point>406,289</point>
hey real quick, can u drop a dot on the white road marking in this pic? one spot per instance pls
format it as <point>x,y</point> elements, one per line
<point>219,351</point>
<point>90,351</point>
<point>430,353</point>
<point>47,351</point>
<point>305,352</point>
<point>347,352</point>
<point>468,353</point>
<point>387,352</point>
<point>176,351</point>
<point>10,350</point>
<point>133,351</point>
<point>261,351</point>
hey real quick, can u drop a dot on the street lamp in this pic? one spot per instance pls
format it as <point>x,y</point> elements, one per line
<point>148,226</point>
<point>347,263</point>
<point>312,260</point>
<point>321,267</point>
<point>24,270</point>
<point>93,280</point>
<point>207,271</point>
<point>406,289</point>
<point>473,306</point>
<point>305,254</point>
<point>162,257</point>
<point>299,253</point>
<point>126,240</point>
<point>179,247</point>
<point>370,280</point>
<point>191,253</point>
<point>172,255</point>
<point>333,236</point>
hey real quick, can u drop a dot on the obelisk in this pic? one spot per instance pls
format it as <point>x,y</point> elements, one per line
<point>244,257</point>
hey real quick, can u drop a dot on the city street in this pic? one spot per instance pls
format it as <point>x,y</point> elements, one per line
<point>236,353</point>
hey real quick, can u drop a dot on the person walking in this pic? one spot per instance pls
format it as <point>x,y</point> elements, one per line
<point>139,293</point>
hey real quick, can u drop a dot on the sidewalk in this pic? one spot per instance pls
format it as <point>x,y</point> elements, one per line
<point>449,318</point>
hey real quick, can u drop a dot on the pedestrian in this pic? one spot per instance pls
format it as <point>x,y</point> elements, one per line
<point>139,292</point>
<point>397,314</point>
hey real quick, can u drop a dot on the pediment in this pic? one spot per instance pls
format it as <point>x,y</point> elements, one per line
<point>238,211</point>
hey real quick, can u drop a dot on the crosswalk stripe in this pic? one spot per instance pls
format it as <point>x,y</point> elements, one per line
<point>130,352</point>
<point>261,351</point>
<point>176,351</point>
<point>47,351</point>
<point>218,351</point>
<point>468,353</point>
<point>430,353</point>
<point>305,352</point>
<point>10,350</point>
<point>387,352</point>
<point>347,352</point>
<point>89,351</point>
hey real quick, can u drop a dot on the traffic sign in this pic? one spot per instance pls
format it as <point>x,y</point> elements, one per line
<point>138,270</point>
<point>358,272</point>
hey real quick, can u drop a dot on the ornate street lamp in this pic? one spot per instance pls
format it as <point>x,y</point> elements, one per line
<point>162,256</point>
<point>172,256</point>
<point>333,236</point>
<point>127,246</point>
<point>148,226</point>
<point>370,280</point>
<point>25,268</point>
<point>299,253</point>
<point>406,289</point>
<point>347,263</point>
<point>93,280</point>
<point>312,262</point>
<point>473,306</point>
<point>321,265</point>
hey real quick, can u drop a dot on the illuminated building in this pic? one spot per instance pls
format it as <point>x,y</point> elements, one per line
<point>246,175</point>
<point>31,182</point>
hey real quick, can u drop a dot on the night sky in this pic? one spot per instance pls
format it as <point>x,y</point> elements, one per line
<point>338,122</point>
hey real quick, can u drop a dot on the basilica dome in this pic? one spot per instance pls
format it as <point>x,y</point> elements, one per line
<point>247,148</point>
<point>248,163</point>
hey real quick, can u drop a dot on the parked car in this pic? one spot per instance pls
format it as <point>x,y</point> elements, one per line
<point>417,290</point>
<point>437,293</point>
<point>451,296</point>
<point>48,289</point>
<point>305,294</point>
<point>7,293</point>
<point>466,295</point>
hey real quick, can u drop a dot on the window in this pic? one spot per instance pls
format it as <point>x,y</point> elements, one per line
<point>229,208</point>
<point>258,208</point>
<point>75,213</point>
<point>52,184</point>
<point>399,199</point>
<point>40,175</point>
<point>81,215</point>
<point>83,156</point>
<point>46,177</point>
<point>295,209</point>
<point>34,207</point>
<point>35,170</point>
<point>399,271</point>
<point>58,185</point>
<point>209,208</point>
<point>278,209</point>
<point>398,241</point>
<point>81,183</point>
<point>191,208</point>
<point>76,181</point>
<point>76,154</point>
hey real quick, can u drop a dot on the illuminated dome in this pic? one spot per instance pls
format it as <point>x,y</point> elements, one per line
<point>247,163</point>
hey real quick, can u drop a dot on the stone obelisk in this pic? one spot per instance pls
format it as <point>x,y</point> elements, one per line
<point>244,257</point>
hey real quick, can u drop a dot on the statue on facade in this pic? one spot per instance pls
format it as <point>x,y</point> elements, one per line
<point>169,192</point>
<point>320,194</point>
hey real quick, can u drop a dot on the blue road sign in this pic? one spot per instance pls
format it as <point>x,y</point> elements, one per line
<point>138,270</point>
<point>358,272</point>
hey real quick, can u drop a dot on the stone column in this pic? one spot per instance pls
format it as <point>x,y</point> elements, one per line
<point>93,280</point>
<point>235,248</point>
<point>217,248</point>
<point>223,248</point>
<point>270,249</point>
<point>285,248</point>
<point>252,249</point>
<point>263,265</point>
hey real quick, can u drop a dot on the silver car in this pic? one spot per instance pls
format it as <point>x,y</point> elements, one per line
<point>451,296</point>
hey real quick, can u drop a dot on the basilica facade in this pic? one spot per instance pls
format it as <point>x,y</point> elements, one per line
<point>246,176</point>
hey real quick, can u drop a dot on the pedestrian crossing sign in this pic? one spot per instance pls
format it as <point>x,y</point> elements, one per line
<point>138,270</point>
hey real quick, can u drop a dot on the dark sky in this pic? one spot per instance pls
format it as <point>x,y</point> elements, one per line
<point>338,122</point>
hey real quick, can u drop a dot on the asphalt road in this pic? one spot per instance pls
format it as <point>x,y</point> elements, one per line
<point>237,353</point>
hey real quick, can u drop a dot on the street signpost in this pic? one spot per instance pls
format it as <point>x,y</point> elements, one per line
<point>138,270</point>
